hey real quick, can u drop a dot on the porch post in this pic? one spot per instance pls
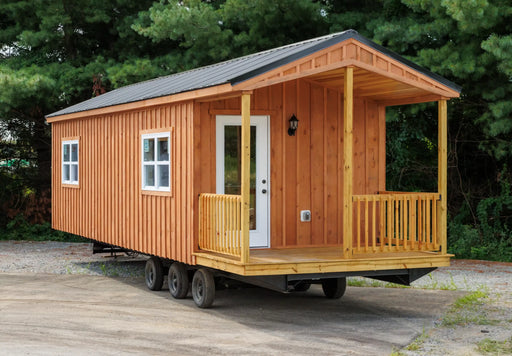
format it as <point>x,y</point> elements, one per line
<point>348,108</point>
<point>245,179</point>
<point>442,163</point>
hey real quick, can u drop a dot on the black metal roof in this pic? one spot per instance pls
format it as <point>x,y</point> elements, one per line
<point>233,71</point>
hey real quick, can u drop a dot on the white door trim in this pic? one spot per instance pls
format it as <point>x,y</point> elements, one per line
<point>260,237</point>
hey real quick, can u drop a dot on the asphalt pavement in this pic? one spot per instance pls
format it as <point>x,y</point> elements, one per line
<point>48,314</point>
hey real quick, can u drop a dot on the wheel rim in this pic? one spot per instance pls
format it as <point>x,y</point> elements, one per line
<point>150,274</point>
<point>200,289</point>
<point>174,282</point>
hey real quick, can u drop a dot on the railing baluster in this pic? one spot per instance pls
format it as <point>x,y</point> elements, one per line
<point>381,223</point>
<point>391,222</point>
<point>374,224</point>
<point>420,224</point>
<point>365,225</point>
<point>434,224</point>
<point>358,228</point>
<point>427,223</point>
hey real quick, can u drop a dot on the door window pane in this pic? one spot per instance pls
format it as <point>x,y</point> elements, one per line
<point>233,165</point>
<point>149,150</point>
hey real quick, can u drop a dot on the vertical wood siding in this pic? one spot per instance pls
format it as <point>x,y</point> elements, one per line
<point>108,205</point>
<point>306,170</point>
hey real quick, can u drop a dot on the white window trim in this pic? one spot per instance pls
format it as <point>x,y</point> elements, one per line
<point>155,136</point>
<point>70,163</point>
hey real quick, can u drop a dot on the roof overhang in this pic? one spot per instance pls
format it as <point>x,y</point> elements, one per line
<point>376,76</point>
<point>218,91</point>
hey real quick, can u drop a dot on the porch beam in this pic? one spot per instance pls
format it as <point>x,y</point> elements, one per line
<point>348,117</point>
<point>245,173</point>
<point>442,162</point>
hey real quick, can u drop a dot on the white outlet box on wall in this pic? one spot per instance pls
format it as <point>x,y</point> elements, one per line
<point>305,215</point>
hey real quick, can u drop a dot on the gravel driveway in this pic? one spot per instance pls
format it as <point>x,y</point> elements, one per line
<point>489,318</point>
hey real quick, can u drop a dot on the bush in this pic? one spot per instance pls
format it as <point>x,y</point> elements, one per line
<point>20,229</point>
<point>491,238</point>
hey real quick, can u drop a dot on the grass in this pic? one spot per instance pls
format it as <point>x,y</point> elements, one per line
<point>467,309</point>
<point>418,342</point>
<point>433,283</point>
<point>493,347</point>
<point>368,282</point>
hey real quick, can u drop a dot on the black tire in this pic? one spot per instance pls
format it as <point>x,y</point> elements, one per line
<point>154,273</point>
<point>203,288</point>
<point>334,288</point>
<point>178,280</point>
<point>301,286</point>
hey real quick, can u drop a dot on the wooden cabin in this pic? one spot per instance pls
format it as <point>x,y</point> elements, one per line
<point>270,168</point>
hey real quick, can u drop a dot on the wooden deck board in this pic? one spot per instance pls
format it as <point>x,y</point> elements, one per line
<point>319,260</point>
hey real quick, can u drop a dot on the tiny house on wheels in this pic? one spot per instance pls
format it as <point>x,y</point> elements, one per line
<point>269,169</point>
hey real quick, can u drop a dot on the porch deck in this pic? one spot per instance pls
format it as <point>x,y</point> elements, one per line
<point>319,260</point>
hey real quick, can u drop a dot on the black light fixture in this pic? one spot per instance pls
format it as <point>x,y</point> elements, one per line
<point>294,123</point>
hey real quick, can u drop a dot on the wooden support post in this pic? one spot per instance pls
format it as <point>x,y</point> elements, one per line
<point>245,181</point>
<point>348,117</point>
<point>442,163</point>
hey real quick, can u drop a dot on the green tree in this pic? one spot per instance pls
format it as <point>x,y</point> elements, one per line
<point>52,54</point>
<point>212,31</point>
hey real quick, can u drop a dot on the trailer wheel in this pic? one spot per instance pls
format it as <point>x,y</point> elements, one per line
<point>178,280</point>
<point>154,273</point>
<point>203,288</point>
<point>334,288</point>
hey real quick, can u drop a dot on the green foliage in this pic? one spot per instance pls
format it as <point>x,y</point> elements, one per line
<point>411,151</point>
<point>20,229</point>
<point>211,31</point>
<point>466,310</point>
<point>493,347</point>
<point>491,238</point>
<point>52,54</point>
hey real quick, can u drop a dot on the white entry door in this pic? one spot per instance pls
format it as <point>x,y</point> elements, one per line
<point>228,177</point>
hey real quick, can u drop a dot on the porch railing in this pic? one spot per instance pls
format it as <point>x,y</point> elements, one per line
<point>385,222</point>
<point>395,221</point>
<point>220,223</point>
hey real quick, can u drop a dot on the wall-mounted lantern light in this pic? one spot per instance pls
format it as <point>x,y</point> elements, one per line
<point>294,123</point>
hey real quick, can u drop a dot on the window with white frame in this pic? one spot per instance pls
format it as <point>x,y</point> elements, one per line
<point>156,163</point>
<point>70,162</point>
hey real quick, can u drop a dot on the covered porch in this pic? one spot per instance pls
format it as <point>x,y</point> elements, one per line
<point>381,230</point>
